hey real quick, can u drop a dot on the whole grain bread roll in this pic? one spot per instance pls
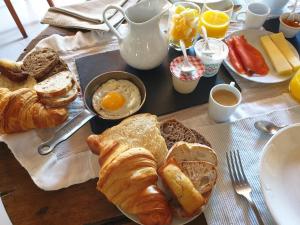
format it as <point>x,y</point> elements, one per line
<point>40,62</point>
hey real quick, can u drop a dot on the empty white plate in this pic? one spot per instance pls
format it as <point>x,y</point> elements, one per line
<point>280,175</point>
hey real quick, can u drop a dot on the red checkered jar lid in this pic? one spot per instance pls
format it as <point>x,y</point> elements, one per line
<point>175,68</point>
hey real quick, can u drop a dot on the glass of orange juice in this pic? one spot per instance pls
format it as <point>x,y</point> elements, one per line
<point>183,24</point>
<point>216,18</point>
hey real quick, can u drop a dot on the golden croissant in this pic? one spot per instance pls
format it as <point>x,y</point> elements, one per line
<point>128,179</point>
<point>21,111</point>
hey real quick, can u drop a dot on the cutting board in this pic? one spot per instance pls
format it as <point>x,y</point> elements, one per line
<point>161,96</point>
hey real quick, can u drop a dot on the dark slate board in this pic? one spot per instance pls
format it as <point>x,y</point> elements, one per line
<point>161,97</point>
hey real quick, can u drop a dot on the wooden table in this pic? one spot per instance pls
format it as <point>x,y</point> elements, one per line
<point>27,204</point>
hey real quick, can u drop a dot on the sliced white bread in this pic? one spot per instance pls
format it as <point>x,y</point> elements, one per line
<point>61,101</point>
<point>57,85</point>
<point>202,174</point>
<point>183,151</point>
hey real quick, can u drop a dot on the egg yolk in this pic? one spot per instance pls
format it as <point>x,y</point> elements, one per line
<point>112,101</point>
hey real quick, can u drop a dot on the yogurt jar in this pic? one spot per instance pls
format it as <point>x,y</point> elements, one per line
<point>184,83</point>
<point>212,58</point>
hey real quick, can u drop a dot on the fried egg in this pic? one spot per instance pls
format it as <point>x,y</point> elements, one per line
<point>116,98</point>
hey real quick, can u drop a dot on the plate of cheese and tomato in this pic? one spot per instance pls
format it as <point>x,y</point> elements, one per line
<point>256,59</point>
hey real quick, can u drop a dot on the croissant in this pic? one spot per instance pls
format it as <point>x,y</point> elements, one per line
<point>21,111</point>
<point>128,179</point>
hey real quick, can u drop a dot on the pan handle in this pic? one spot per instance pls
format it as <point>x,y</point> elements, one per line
<point>65,132</point>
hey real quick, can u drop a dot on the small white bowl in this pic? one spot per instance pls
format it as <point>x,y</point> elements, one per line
<point>288,31</point>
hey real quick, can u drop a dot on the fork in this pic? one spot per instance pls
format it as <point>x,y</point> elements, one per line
<point>239,180</point>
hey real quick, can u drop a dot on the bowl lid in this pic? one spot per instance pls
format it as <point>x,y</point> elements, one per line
<point>175,68</point>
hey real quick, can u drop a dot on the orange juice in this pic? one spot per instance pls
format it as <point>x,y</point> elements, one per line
<point>215,22</point>
<point>295,86</point>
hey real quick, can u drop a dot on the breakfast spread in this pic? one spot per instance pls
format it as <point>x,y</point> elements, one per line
<point>116,98</point>
<point>245,58</point>
<point>26,104</point>
<point>184,24</point>
<point>289,24</point>
<point>131,153</point>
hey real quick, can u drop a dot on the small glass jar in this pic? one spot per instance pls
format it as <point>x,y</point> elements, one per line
<point>183,24</point>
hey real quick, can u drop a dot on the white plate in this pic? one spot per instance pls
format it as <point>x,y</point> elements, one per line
<point>280,175</point>
<point>253,37</point>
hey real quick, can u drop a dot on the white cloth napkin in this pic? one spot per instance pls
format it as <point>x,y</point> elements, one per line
<point>86,15</point>
<point>225,206</point>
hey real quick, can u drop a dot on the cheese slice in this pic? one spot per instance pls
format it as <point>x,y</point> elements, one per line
<point>280,41</point>
<point>278,60</point>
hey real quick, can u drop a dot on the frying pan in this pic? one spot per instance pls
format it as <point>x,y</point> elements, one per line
<point>88,113</point>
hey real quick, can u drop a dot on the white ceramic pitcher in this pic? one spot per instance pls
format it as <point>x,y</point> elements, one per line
<point>145,46</point>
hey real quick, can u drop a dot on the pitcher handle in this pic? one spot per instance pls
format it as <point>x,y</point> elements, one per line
<point>111,27</point>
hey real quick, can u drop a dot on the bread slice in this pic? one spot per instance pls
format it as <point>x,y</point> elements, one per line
<point>12,70</point>
<point>181,187</point>
<point>200,138</point>
<point>202,174</point>
<point>61,101</point>
<point>174,131</point>
<point>59,67</point>
<point>58,85</point>
<point>40,62</point>
<point>183,151</point>
<point>140,130</point>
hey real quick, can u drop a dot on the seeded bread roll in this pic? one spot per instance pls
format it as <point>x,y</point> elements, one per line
<point>174,131</point>
<point>61,101</point>
<point>58,85</point>
<point>40,62</point>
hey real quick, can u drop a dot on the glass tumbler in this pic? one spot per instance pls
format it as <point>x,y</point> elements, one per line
<point>216,18</point>
<point>183,24</point>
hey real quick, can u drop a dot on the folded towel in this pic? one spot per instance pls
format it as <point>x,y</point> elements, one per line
<point>86,16</point>
<point>90,10</point>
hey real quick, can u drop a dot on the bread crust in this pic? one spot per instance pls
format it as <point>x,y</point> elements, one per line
<point>61,101</point>
<point>58,85</point>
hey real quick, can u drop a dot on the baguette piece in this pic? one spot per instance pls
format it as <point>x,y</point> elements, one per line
<point>58,85</point>
<point>183,151</point>
<point>61,101</point>
<point>181,187</point>
<point>40,62</point>
<point>202,174</point>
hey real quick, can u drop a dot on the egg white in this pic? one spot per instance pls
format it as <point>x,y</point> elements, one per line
<point>126,88</point>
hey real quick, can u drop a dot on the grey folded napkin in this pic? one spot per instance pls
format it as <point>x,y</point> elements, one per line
<point>87,15</point>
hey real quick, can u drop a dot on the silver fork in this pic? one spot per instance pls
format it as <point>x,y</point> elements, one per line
<point>239,180</point>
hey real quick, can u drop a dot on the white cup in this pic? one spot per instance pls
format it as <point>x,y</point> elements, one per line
<point>256,15</point>
<point>219,112</point>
